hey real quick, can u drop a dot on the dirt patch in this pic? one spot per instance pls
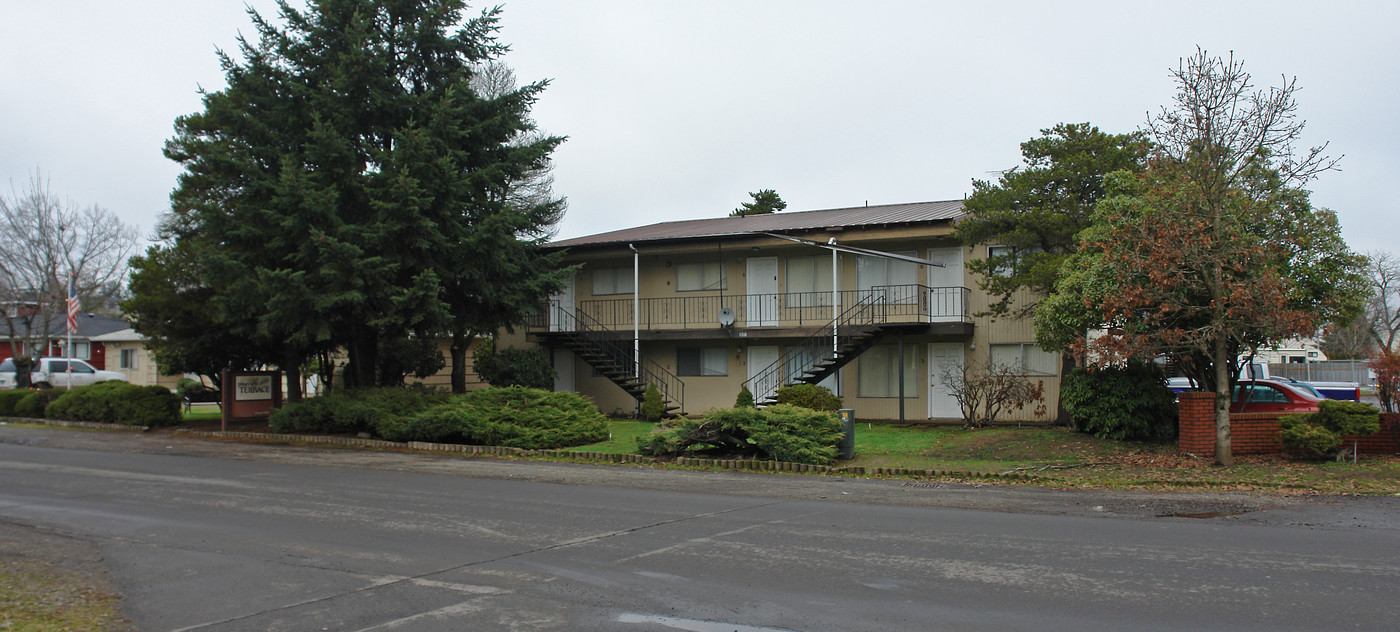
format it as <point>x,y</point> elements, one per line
<point>53,582</point>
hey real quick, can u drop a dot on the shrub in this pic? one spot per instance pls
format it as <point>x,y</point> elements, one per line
<point>783,432</point>
<point>652,408</point>
<point>355,410</point>
<point>517,417</point>
<point>1129,402</point>
<point>9,398</point>
<point>529,368</point>
<point>1321,432</point>
<point>116,402</point>
<point>745,398</point>
<point>809,396</point>
<point>35,401</point>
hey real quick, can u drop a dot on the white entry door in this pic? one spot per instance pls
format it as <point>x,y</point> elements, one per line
<point>941,404</point>
<point>762,273</point>
<point>564,371</point>
<point>761,358</point>
<point>945,285</point>
<point>561,308</point>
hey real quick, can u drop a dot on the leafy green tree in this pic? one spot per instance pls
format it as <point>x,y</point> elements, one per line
<point>529,368</point>
<point>185,330</point>
<point>352,187</point>
<point>1215,249</point>
<point>764,201</point>
<point>1038,208</point>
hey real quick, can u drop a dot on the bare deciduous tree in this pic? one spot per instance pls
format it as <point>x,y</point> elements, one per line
<point>46,239</point>
<point>984,392</point>
<point>1384,308</point>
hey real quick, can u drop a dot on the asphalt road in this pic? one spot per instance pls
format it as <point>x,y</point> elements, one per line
<point>217,536</point>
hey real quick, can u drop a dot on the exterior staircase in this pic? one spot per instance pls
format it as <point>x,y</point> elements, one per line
<point>612,355</point>
<point>821,354</point>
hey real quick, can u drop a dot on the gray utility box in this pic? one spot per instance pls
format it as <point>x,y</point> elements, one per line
<point>848,432</point>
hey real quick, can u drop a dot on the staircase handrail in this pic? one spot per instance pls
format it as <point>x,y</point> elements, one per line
<point>606,341</point>
<point>815,346</point>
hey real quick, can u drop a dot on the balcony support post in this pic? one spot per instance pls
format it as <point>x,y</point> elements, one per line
<point>835,299</point>
<point>636,305</point>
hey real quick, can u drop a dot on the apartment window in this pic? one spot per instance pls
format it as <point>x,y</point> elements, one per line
<point>702,361</point>
<point>872,272</point>
<point>612,281</point>
<point>879,371</point>
<point>809,281</point>
<point>694,277</point>
<point>1026,358</point>
<point>1004,258</point>
<point>128,359</point>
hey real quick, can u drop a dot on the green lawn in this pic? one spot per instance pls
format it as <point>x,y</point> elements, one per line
<point>1062,458</point>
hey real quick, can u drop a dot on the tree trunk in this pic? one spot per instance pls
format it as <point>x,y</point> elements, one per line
<point>1223,363</point>
<point>1067,366</point>
<point>291,367</point>
<point>461,342</point>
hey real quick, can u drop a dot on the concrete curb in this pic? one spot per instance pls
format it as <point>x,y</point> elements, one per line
<point>62,423</point>
<point>723,464</point>
<point>486,450</point>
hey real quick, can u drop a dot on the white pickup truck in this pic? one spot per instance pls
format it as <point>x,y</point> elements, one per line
<point>55,373</point>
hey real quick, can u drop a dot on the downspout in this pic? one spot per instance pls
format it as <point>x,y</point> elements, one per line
<point>636,310</point>
<point>835,299</point>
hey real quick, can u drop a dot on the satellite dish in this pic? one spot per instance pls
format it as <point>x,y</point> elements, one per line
<point>726,316</point>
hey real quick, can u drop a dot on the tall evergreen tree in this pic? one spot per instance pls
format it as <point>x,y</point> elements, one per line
<point>765,201</point>
<point>347,187</point>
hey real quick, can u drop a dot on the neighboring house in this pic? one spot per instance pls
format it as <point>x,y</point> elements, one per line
<point>85,343</point>
<point>127,353</point>
<point>729,302</point>
<point>1292,351</point>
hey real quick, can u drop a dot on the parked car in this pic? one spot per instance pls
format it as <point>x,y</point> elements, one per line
<point>56,373</point>
<point>1267,396</point>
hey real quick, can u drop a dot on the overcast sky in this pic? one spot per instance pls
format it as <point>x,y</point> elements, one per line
<point>678,109</point>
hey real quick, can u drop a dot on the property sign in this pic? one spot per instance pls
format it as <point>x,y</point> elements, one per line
<point>250,394</point>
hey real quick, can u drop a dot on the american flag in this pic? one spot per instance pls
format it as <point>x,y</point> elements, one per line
<point>72,304</point>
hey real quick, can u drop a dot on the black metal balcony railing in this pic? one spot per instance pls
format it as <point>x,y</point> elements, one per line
<point>902,303</point>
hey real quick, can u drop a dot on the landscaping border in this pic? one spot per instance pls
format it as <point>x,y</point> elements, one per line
<point>64,423</point>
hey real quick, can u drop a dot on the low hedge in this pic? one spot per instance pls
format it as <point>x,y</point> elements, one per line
<point>35,401</point>
<point>8,399</point>
<point>782,432</point>
<point>356,410</point>
<point>116,402</point>
<point>516,417</point>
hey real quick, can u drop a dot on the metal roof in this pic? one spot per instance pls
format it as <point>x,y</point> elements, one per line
<point>842,218</point>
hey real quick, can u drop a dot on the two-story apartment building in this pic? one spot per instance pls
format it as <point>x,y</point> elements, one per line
<point>872,302</point>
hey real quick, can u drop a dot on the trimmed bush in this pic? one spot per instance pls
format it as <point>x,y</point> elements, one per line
<point>529,368</point>
<point>9,398</point>
<point>35,401</point>
<point>810,396</point>
<point>355,410</point>
<point>1321,432</point>
<point>744,399</point>
<point>1130,402</point>
<point>782,432</point>
<point>116,402</point>
<point>516,417</point>
<point>652,408</point>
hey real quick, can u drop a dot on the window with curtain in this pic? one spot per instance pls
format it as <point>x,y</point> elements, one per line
<point>808,281</point>
<point>694,277</point>
<point>128,359</point>
<point>878,370</point>
<point>1026,357</point>
<point>874,272</point>
<point>612,281</point>
<point>702,361</point>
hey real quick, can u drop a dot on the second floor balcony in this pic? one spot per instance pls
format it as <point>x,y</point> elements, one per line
<point>799,310</point>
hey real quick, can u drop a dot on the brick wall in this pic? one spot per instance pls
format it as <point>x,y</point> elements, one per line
<point>1257,433</point>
